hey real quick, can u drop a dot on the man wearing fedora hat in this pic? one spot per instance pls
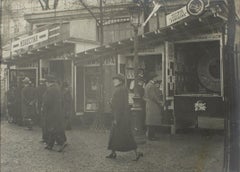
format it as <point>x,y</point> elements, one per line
<point>28,103</point>
<point>52,107</point>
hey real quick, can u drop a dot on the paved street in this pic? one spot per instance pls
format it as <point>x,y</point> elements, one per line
<point>184,152</point>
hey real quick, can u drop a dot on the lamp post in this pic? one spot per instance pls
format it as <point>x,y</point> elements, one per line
<point>137,110</point>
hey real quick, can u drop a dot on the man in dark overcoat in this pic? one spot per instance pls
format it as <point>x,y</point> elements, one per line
<point>28,99</point>
<point>154,105</point>
<point>121,137</point>
<point>52,107</point>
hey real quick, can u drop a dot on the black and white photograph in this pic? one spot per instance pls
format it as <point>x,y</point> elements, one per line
<point>120,86</point>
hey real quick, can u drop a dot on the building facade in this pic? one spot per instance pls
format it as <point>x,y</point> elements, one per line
<point>183,45</point>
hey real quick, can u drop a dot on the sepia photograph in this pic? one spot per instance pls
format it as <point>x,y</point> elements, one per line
<point>120,86</point>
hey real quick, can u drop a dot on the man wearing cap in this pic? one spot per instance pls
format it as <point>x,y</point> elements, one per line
<point>28,103</point>
<point>52,107</point>
<point>153,106</point>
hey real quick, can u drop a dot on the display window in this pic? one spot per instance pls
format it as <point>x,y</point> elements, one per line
<point>92,90</point>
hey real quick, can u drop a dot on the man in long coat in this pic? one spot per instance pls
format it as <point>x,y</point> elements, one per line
<point>153,106</point>
<point>28,97</point>
<point>121,137</point>
<point>52,107</point>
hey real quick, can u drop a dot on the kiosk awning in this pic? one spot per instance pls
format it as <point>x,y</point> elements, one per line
<point>212,21</point>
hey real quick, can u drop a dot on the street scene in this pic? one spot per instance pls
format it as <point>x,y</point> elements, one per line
<point>185,152</point>
<point>120,85</point>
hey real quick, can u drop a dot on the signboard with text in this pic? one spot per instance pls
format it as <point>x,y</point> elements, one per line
<point>177,15</point>
<point>30,40</point>
<point>193,8</point>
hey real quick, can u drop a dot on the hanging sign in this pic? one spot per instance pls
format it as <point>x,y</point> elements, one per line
<point>177,16</point>
<point>194,8</point>
<point>30,40</point>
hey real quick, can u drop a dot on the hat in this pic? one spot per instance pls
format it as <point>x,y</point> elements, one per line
<point>119,76</point>
<point>51,78</point>
<point>26,80</point>
<point>152,75</point>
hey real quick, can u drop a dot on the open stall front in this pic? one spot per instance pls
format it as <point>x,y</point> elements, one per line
<point>198,93</point>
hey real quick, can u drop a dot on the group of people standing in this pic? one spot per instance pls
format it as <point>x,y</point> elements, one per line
<point>50,105</point>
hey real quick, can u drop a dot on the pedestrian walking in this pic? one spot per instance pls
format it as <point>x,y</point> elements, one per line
<point>67,105</point>
<point>154,105</point>
<point>121,137</point>
<point>52,107</point>
<point>28,99</point>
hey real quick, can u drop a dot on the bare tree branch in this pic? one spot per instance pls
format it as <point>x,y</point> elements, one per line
<point>85,6</point>
<point>43,8</point>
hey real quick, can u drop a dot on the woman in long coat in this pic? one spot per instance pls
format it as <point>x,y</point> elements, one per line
<point>121,137</point>
<point>153,107</point>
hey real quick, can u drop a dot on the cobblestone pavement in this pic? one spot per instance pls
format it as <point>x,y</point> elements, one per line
<point>86,151</point>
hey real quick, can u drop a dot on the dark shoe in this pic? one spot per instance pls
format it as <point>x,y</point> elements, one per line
<point>48,148</point>
<point>139,154</point>
<point>112,156</point>
<point>62,147</point>
<point>152,139</point>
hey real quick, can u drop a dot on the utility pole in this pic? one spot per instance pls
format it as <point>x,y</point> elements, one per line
<point>231,93</point>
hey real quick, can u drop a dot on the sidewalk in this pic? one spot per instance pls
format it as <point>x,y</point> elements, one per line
<point>188,152</point>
